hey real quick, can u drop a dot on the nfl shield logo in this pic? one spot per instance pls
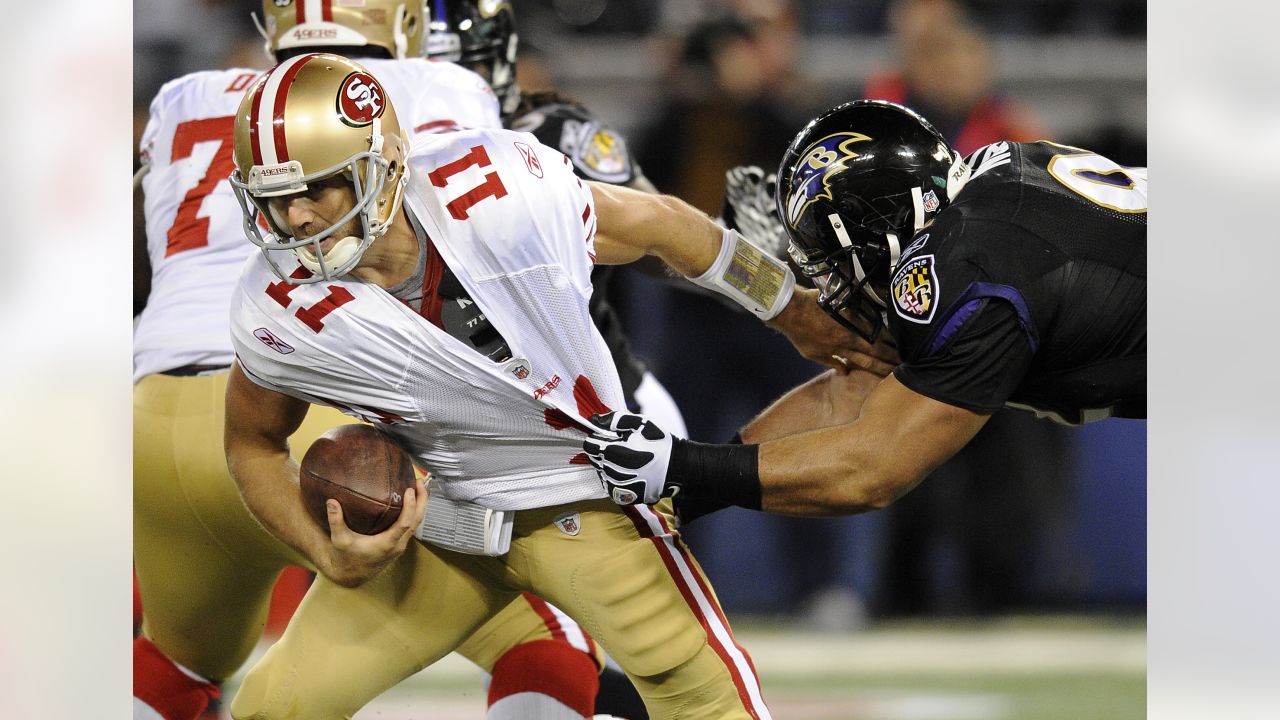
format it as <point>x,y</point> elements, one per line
<point>519,367</point>
<point>930,201</point>
<point>568,523</point>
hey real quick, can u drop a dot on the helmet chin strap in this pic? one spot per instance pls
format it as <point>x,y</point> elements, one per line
<point>895,250</point>
<point>340,254</point>
<point>895,253</point>
<point>859,274</point>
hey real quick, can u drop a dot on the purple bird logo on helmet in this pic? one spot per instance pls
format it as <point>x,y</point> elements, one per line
<point>819,163</point>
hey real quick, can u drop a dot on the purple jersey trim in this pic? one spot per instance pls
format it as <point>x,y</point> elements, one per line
<point>968,304</point>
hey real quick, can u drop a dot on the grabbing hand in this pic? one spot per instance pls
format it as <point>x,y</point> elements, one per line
<point>821,339</point>
<point>632,465</point>
<point>353,558</point>
<point>749,208</point>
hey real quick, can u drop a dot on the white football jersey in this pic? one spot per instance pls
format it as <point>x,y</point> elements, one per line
<point>517,228</point>
<point>195,235</point>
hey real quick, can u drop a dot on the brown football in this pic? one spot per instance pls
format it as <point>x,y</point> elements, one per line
<point>364,470</point>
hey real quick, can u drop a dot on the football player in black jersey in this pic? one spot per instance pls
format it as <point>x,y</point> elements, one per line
<point>1015,277</point>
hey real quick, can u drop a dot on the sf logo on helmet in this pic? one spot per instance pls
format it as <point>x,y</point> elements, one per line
<point>819,163</point>
<point>360,100</point>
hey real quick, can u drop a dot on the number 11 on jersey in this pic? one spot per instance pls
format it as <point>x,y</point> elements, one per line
<point>491,187</point>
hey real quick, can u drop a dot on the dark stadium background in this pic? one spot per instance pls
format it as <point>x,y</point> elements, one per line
<point>1036,531</point>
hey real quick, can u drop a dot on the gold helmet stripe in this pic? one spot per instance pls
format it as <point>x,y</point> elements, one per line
<point>266,134</point>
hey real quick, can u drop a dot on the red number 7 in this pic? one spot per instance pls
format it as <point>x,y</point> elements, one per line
<point>189,231</point>
<point>491,187</point>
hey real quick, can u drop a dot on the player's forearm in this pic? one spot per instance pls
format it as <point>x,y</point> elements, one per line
<point>633,224</point>
<point>268,486</point>
<point>826,472</point>
<point>662,226</point>
<point>686,239</point>
<point>796,475</point>
<point>830,399</point>
<point>897,438</point>
<point>809,474</point>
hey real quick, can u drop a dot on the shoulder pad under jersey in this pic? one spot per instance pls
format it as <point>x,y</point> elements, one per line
<point>597,151</point>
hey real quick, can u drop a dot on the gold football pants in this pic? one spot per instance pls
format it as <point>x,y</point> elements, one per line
<point>624,575</point>
<point>205,567</point>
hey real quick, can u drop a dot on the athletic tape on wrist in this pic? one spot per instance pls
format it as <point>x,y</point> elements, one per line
<point>749,276</point>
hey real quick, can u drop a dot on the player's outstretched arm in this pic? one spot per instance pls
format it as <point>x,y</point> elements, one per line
<point>830,399</point>
<point>633,224</point>
<point>899,437</point>
<point>258,425</point>
<point>852,467</point>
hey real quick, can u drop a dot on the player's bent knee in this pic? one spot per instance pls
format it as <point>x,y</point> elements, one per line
<point>702,688</point>
<point>637,611</point>
<point>265,695</point>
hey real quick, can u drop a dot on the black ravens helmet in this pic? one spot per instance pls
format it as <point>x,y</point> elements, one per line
<point>853,187</point>
<point>479,35</point>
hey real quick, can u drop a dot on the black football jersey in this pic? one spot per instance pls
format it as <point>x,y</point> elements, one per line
<point>599,153</point>
<point>1030,290</point>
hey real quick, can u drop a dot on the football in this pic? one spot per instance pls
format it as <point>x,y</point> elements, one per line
<point>364,470</point>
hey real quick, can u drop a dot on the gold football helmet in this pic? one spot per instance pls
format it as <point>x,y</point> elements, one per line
<point>392,25</point>
<point>311,119</point>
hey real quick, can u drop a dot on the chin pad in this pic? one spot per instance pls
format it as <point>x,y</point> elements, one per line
<point>340,254</point>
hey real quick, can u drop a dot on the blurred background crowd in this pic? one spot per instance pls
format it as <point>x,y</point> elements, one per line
<point>1028,517</point>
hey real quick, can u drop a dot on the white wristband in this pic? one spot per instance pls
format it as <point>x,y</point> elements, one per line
<point>749,276</point>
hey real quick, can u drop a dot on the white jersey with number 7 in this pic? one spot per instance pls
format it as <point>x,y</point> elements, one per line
<point>195,237</point>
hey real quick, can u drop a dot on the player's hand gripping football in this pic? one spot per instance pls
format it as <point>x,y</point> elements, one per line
<point>354,558</point>
<point>750,209</point>
<point>632,462</point>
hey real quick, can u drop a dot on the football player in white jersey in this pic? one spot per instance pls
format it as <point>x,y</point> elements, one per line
<point>443,295</point>
<point>205,568</point>
<point>482,36</point>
